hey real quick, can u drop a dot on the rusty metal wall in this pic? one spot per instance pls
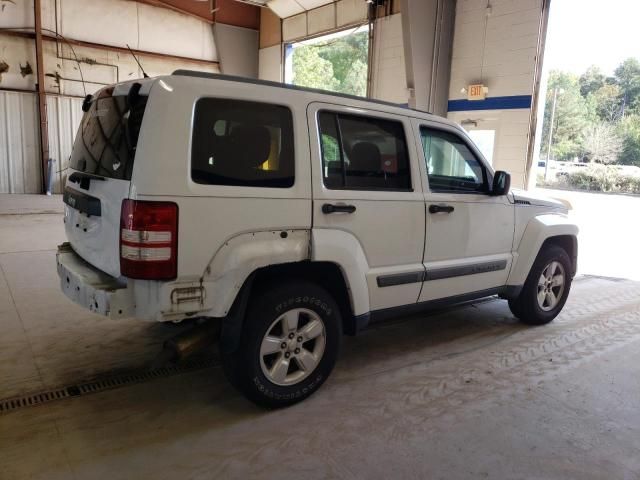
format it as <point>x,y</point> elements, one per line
<point>20,168</point>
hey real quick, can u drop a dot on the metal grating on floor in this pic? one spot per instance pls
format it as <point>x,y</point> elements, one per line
<point>102,383</point>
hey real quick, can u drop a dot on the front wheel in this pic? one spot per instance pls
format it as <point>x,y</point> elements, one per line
<point>546,289</point>
<point>290,342</point>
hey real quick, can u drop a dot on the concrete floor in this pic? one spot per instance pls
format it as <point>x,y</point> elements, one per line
<point>467,393</point>
<point>609,232</point>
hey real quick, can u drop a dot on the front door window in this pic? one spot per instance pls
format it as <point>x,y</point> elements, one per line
<point>451,165</point>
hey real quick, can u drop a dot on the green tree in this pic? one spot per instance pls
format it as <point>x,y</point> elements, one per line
<point>601,143</point>
<point>573,114</point>
<point>344,52</point>
<point>339,64</point>
<point>629,131</point>
<point>591,80</point>
<point>597,117</point>
<point>355,83</point>
<point>607,102</point>
<point>311,70</point>
<point>627,77</point>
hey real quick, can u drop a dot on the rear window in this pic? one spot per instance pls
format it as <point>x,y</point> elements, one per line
<point>242,143</point>
<point>108,135</point>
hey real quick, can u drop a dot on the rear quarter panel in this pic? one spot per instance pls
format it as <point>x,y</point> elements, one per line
<point>210,215</point>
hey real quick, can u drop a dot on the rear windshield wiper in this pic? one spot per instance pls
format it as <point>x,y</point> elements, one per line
<point>84,179</point>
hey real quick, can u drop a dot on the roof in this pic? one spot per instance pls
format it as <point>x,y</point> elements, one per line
<point>234,78</point>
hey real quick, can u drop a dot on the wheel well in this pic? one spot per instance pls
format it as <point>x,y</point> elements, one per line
<point>569,244</point>
<point>325,274</point>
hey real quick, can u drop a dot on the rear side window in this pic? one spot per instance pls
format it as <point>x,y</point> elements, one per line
<point>108,135</point>
<point>363,153</point>
<point>242,143</point>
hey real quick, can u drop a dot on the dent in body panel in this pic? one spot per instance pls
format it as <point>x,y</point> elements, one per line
<point>241,255</point>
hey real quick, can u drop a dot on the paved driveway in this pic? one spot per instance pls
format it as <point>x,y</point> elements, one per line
<point>609,242</point>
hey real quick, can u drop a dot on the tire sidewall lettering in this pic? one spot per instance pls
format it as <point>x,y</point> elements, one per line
<point>245,367</point>
<point>305,388</point>
<point>308,385</point>
<point>308,301</point>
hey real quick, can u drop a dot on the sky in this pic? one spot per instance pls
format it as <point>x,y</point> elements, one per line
<point>592,32</point>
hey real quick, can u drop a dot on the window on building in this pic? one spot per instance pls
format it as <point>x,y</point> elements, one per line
<point>242,143</point>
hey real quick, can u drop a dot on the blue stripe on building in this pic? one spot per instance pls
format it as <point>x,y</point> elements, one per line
<point>492,103</point>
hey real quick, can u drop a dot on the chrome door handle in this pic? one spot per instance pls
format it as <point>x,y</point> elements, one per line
<point>330,208</point>
<point>440,208</point>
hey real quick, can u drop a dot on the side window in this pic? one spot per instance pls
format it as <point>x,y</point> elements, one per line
<point>451,165</point>
<point>242,144</point>
<point>363,153</point>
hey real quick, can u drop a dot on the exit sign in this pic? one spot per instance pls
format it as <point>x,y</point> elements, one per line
<point>477,92</point>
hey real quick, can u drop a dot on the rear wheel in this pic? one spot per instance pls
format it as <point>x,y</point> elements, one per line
<point>290,342</point>
<point>546,289</point>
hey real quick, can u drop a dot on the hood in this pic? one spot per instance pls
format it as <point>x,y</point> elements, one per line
<point>530,198</point>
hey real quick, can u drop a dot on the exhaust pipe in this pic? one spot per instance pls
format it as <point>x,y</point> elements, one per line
<point>191,341</point>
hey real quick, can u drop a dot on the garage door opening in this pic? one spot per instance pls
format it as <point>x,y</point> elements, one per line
<point>589,109</point>
<point>589,124</point>
<point>337,62</point>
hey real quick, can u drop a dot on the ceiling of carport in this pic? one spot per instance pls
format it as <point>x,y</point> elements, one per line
<point>205,8</point>
<point>287,8</point>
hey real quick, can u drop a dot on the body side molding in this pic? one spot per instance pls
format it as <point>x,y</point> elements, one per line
<point>440,273</point>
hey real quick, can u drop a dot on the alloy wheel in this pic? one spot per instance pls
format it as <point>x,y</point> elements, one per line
<point>551,286</point>
<point>292,346</point>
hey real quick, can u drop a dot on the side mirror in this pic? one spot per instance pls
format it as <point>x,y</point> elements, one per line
<point>501,183</point>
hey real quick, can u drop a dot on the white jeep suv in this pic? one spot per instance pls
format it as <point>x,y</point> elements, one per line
<point>291,216</point>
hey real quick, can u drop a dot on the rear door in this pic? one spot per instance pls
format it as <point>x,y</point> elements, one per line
<point>469,233</point>
<point>366,182</point>
<point>100,173</point>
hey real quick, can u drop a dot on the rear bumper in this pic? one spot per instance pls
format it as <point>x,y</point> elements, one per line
<point>91,288</point>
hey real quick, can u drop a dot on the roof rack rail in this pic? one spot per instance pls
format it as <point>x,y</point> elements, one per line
<point>269,83</point>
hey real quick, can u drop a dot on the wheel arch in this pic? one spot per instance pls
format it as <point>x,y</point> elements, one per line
<point>328,275</point>
<point>543,230</point>
<point>569,243</point>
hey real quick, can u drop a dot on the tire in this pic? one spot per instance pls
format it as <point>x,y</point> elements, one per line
<point>277,374</point>
<point>542,298</point>
<point>514,306</point>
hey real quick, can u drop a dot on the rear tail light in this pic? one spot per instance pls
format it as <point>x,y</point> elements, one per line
<point>149,240</point>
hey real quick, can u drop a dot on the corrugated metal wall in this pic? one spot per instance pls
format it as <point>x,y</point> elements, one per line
<point>64,115</point>
<point>20,168</point>
<point>19,143</point>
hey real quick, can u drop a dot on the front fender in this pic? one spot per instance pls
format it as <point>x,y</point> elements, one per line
<point>539,229</point>
<point>243,254</point>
